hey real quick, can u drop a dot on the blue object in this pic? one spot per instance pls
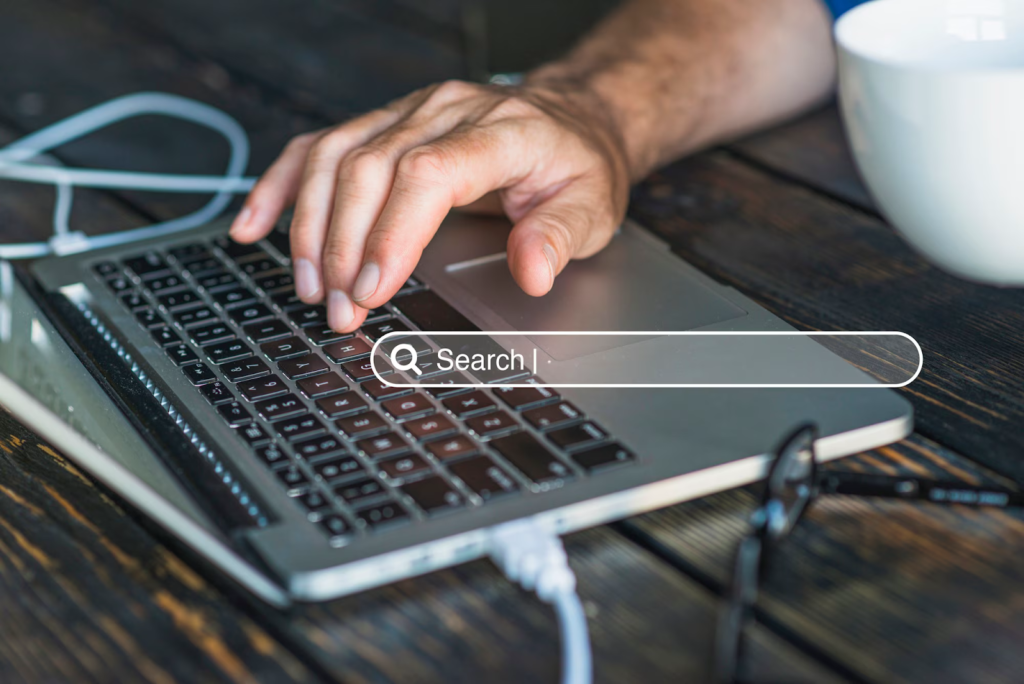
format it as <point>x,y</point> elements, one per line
<point>838,7</point>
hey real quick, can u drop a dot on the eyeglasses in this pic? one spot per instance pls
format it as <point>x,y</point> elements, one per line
<point>793,484</point>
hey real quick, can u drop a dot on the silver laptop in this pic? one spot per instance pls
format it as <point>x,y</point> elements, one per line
<point>184,374</point>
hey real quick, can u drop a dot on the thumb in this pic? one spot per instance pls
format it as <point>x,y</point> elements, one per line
<point>575,223</point>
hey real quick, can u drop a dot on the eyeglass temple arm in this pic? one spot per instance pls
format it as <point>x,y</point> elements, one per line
<point>917,489</point>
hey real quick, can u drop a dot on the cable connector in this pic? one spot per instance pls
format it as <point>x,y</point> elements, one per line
<point>533,556</point>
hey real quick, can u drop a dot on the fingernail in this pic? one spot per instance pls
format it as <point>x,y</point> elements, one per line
<point>366,282</point>
<point>339,310</point>
<point>307,280</point>
<point>549,254</point>
<point>241,221</point>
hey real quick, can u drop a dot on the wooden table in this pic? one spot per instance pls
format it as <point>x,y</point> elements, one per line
<point>866,591</point>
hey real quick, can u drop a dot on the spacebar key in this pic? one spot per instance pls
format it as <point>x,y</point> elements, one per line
<point>430,312</point>
<point>531,458</point>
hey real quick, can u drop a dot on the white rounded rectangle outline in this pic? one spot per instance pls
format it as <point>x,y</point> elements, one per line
<point>646,333</point>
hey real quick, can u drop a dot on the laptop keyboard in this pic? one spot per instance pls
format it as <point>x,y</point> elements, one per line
<point>356,455</point>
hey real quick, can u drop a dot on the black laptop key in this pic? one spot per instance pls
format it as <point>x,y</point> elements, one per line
<point>211,333</point>
<point>164,336</point>
<point>576,436</point>
<point>232,350</point>
<point>606,456</point>
<point>348,350</point>
<point>253,434</point>
<point>520,398</point>
<point>287,301</point>
<point>262,388</point>
<point>378,330</point>
<point>471,404</point>
<point>556,415</point>
<point>284,349</point>
<point>452,378</point>
<point>236,296</point>
<point>148,318</point>
<point>164,284</point>
<point>492,424</point>
<point>238,251</point>
<point>219,281</point>
<point>273,283</point>
<point>134,301</point>
<point>362,369</point>
<point>360,491</point>
<point>403,466</point>
<point>278,408</point>
<point>199,374</point>
<point>293,478</point>
<point>250,313</point>
<point>303,366</point>
<point>178,301</point>
<point>374,315</point>
<point>148,266</point>
<point>430,427</point>
<point>189,252</point>
<point>235,414</point>
<point>322,385</point>
<point>193,317</point>
<point>484,477</point>
<point>362,425</point>
<point>309,315</point>
<point>299,427</point>
<point>259,267</point>
<point>433,495</point>
<point>106,269</point>
<point>345,404</point>
<point>383,515</point>
<point>380,391</point>
<point>412,406</point>
<point>381,446</point>
<point>182,354</point>
<point>532,458</point>
<point>452,448</point>
<point>315,502</point>
<point>272,455</point>
<point>266,331</point>
<point>337,467</point>
<point>320,335</point>
<point>202,266</point>
<point>335,527</point>
<point>119,283</point>
<point>217,393</point>
<point>319,447</point>
<point>429,312</point>
<point>246,369</point>
<point>281,242</point>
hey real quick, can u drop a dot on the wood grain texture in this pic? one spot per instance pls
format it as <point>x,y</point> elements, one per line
<point>893,591</point>
<point>86,595</point>
<point>824,266</point>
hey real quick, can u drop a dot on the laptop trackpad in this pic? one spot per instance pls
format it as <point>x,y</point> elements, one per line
<point>630,285</point>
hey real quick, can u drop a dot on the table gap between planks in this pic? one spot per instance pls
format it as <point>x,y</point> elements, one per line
<point>876,591</point>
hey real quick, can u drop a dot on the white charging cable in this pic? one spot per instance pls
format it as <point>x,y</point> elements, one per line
<point>16,164</point>
<point>534,557</point>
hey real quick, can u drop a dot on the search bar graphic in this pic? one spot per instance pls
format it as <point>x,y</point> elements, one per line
<point>647,359</point>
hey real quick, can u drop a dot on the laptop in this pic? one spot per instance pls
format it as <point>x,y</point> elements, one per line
<point>183,374</point>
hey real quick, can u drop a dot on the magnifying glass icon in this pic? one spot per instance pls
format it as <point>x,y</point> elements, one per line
<point>410,364</point>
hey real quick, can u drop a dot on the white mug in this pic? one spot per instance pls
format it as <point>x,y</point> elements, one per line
<point>932,95</point>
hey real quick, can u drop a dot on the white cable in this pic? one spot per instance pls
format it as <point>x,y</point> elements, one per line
<point>534,557</point>
<point>15,165</point>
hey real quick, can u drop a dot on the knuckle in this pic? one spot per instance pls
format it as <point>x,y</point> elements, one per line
<point>365,163</point>
<point>453,89</point>
<point>303,141</point>
<point>512,107</point>
<point>427,165</point>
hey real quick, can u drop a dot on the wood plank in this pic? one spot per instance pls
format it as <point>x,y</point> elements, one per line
<point>822,265</point>
<point>811,150</point>
<point>894,591</point>
<point>322,54</point>
<point>87,595</point>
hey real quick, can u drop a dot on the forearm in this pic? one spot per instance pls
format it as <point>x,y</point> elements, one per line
<point>677,75</point>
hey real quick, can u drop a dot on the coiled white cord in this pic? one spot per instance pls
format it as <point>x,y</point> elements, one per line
<point>534,557</point>
<point>16,164</point>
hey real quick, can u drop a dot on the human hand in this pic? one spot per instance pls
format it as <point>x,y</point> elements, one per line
<point>369,194</point>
